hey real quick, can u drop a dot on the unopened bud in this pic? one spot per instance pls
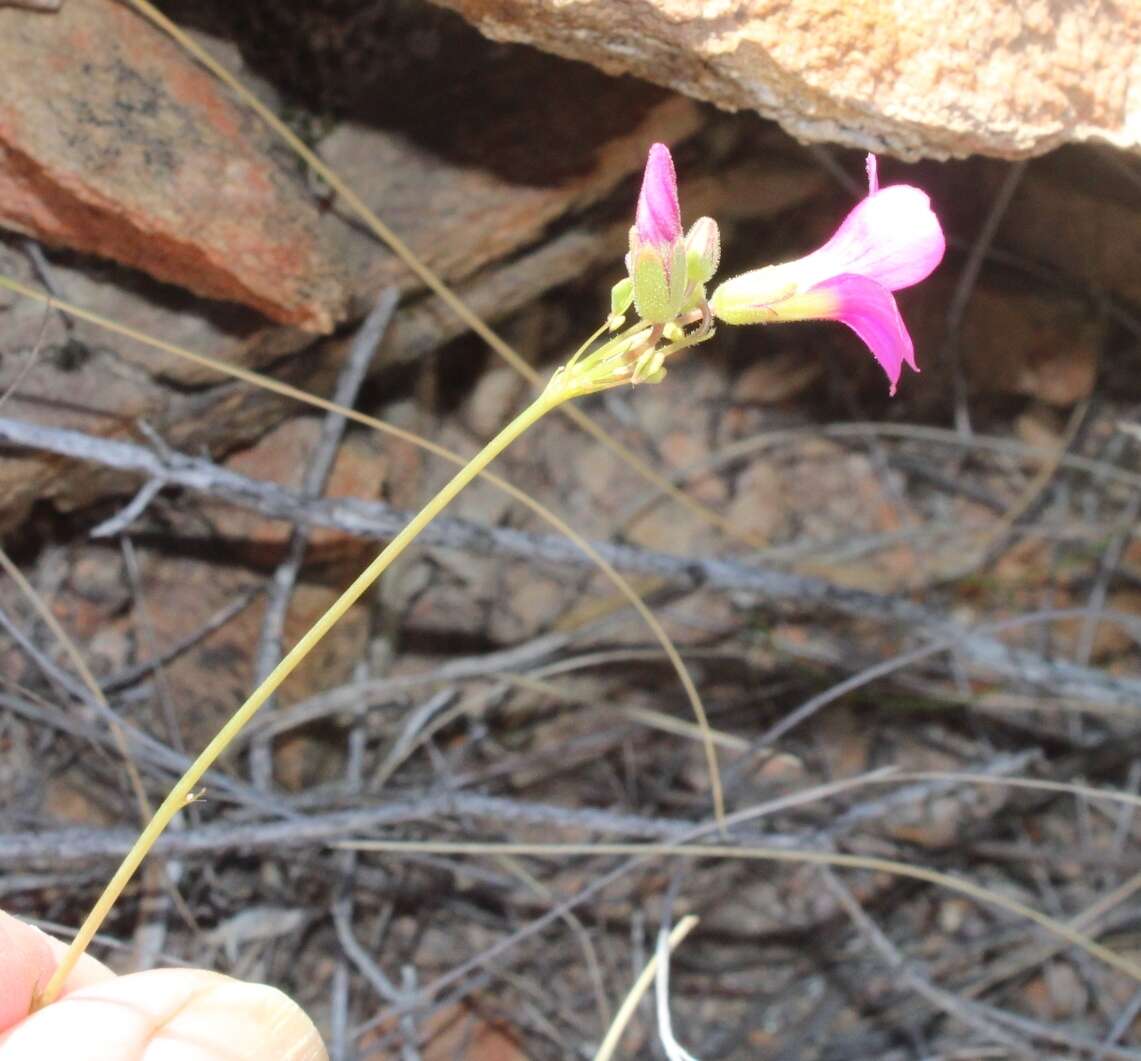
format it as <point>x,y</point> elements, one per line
<point>658,219</point>
<point>702,250</point>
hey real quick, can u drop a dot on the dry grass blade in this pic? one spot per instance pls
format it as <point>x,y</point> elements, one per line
<point>142,802</point>
<point>1044,456</point>
<point>30,359</point>
<point>936,996</point>
<point>1037,784</point>
<point>590,954</point>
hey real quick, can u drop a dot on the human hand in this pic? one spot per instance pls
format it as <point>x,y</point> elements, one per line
<point>161,1015</point>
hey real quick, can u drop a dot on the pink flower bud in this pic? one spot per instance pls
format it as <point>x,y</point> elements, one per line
<point>658,220</point>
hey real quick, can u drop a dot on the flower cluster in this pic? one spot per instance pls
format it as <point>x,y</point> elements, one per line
<point>890,240</point>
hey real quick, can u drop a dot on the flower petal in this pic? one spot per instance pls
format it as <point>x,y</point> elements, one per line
<point>892,237</point>
<point>658,219</point>
<point>869,309</point>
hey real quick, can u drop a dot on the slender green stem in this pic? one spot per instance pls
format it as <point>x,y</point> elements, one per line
<point>183,791</point>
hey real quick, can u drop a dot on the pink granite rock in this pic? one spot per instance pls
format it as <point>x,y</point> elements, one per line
<point>113,142</point>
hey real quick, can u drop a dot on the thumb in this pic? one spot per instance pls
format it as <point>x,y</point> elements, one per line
<point>189,1013</point>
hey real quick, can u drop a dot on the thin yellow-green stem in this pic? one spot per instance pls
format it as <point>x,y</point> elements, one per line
<point>433,282</point>
<point>837,860</point>
<point>182,792</point>
<point>646,977</point>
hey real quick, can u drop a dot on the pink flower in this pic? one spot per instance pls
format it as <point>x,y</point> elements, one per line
<point>891,240</point>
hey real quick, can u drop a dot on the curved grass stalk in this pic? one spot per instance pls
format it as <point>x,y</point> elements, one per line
<point>1034,784</point>
<point>433,282</point>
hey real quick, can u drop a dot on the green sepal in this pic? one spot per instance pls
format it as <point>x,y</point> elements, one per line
<point>696,298</point>
<point>651,284</point>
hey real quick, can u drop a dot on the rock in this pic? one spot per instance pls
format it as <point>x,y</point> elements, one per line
<point>114,142</point>
<point>1057,994</point>
<point>758,504</point>
<point>207,682</point>
<point>460,215</point>
<point>1041,426</point>
<point>914,80</point>
<point>496,396</point>
<point>1042,346</point>
<point>459,1029</point>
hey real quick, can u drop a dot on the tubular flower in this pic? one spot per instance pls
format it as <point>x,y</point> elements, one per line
<point>891,240</point>
<point>667,270</point>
